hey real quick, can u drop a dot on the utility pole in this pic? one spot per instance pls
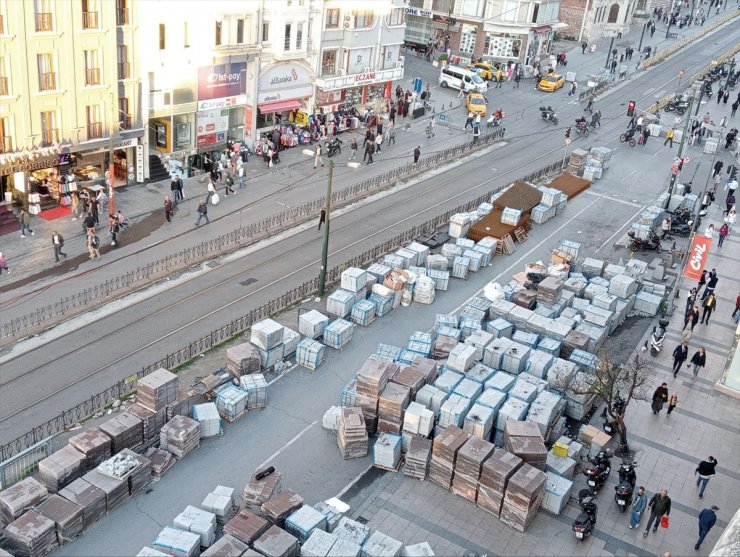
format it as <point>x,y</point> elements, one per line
<point>325,248</point>
<point>111,164</point>
<point>674,177</point>
<point>642,36</point>
<point>608,54</point>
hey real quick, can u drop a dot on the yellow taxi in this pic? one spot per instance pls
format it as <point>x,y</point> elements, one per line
<point>477,104</point>
<point>551,82</point>
<point>484,70</point>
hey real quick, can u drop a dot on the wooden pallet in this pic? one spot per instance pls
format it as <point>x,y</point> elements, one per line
<point>521,234</point>
<point>509,246</point>
<point>396,469</point>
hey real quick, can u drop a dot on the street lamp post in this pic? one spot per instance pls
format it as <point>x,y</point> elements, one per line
<point>325,247</point>
<point>642,36</point>
<point>608,54</point>
<point>674,177</point>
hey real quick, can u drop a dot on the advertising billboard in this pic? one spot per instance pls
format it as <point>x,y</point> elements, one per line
<point>222,80</point>
<point>697,257</point>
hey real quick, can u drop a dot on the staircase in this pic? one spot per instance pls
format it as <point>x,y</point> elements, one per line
<point>157,171</point>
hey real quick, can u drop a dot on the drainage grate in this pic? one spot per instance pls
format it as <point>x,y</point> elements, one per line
<point>247,282</point>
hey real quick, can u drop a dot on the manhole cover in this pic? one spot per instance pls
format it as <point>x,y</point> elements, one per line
<point>247,282</point>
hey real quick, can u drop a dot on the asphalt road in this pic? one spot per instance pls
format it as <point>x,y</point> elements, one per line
<point>59,373</point>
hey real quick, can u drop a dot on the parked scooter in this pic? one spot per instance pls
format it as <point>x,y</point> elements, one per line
<point>334,147</point>
<point>617,408</point>
<point>625,489</point>
<point>658,337</point>
<point>586,521</point>
<point>548,115</point>
<point>495,118</point>
<point>651,244</point>
<point>677,106</point>
<point>597,470</point>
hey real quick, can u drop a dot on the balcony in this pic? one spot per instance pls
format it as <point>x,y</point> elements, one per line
<point>49,137</point>
<point>92,76</point>
<point>95,130</point>
<point>44,22</point>
<point>122,17</point>
<point>90,20</point>
<point>4,88</point>
<point>6,144</point>
<point>126,122</point>
<point>124,70</point>
<point>48,81</point>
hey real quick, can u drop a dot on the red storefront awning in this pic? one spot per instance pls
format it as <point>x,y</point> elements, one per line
<point>279,106</point>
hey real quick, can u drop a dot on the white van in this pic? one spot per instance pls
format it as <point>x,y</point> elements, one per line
<point>460,78</point>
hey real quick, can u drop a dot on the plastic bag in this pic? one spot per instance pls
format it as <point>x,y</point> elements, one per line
<point>215,199</point>
<point>664,521</point>
<point>493,291</point>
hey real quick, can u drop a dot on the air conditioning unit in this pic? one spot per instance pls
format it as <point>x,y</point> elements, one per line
<point>349,22</point>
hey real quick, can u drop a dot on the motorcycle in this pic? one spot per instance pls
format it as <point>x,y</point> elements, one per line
<point>586,521</point>
<point>628,137</point>
<point>681,228</point>
<point>548,115</point>
<point>617,408</point>
<point>679,107</point>
<point>658,337</point>
<point>334,147</point>
<point>495,118</point>
<point>597,471</point>
<point>582,128</point>
<point>624,490</point>
<point>651,244</point>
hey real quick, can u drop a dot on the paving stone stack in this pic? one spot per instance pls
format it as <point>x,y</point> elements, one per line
<point>246,527</point>
<point>302,522</point>
<point>417,458</point>
<point>32,535</point>
<point>352,530</point>
<point>220,502</point>
<point>156,390</point>
<point>197,521</point>
<point>549,290</point>
<point>338,333</point>
<point>177,542</point>
<point>256,387</point>
<point>470,459</point>
<point>90,498</point>
<point>353,435</point>
<point>116,490</point>
<point>392,403</point>
<point>312,324</point>
<point>231,402</point>
<point>125,431</point>
<point>15,499</point>
<point>444,453</point>
<point>160,460</point>
<point>380,544</point>
<point>523,496</point>
<point>318,544</point>
<point>152,422</point>
<point>209,419</point>
<point>412,378</point>
<point>262,489</point>
<point>225,547</point>
<point>180,436</point>
<point>372,378</point>
<point>387,451</point>
<point>67,517</point>
<point>267,336</point>
<point>243,359</point>
<point>418,420</point>
<point>495,474</point>
<point>557,493</point>
<point>141,474</point>
<point>61,468</point>
<point>525,441</point>
<point>276,542</point>
<point>94,445</point>
<point>180,407</point>
<point>310,353</point>
<point>279,507</point>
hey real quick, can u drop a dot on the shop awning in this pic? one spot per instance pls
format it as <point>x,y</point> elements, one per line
<point>279,106</point>
<point>542,29</point>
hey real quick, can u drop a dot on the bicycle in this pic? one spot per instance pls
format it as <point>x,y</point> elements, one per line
<point>628,138</point>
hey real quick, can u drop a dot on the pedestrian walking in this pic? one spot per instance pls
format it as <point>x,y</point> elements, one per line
<point>703,279</point>
<point>734,109</point>
<point>692,317</point>
<point>317,156</point>
<point>729,203</point>
<point>229,184</point>
<point>638,507</point>
<point>353,149</point>
<point>175,188</point>
<point>89,222</point>
<point>690,300</point>
<point>242,176</point>
<point>669,137</point>
<point>731,219</point>
<point>93,245</point>
<point>584,46</point>
<point>712,281</point>
<point>736,313</point>
<point>517,79</point>
<point>369,150</point>
<point>95,210</point>
<point>25,219</point>
<point>369,141</point>
<point>378,142</point>
<point>202,212</point>
<point>660,397</point>
<point>707,519</point>
<point>724,231</point>
<point>726,97</point>
<point>659,506</point>
<point>709,303</point>
<point>391,135</point>
<point>645,135</point>
<point>704,472</point>
<point>717,168</point>
<point>417,154</point>
<point>672,402</point>
<point>699,359</point>
<point>211,191</point>
<point>573,88</point>
<point>114,227</point>
<point>709,231</point>
<point>680,355</point>
<point>469,121</point>
<point>168,207</point>
<point>57,242</point>
<point>476,134</point>
<point>665,226</point>
<point>590,106</point>
<point>322,218</point>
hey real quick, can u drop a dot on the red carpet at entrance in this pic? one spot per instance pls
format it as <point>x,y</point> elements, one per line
<point>55,213</point>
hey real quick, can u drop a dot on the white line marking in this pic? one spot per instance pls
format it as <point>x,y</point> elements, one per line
<point>286,372</point>
<point>610,238</point>
<point>288,444</point>
<point>615,199</point>
<point>354,480</point>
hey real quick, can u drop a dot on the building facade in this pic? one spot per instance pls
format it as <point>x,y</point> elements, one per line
<point>69,94</point>
<point>590,20</point>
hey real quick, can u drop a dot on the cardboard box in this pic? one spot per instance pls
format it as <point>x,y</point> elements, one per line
<point>560,449</point>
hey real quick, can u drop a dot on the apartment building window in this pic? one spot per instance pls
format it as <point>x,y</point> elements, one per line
<point>473,7</point>
<point>266,32</point>
<point>329,62</point>
<point>6,140</point>
<point>240,31</point>
<point>94,118</point>
<point>511,10</point>
<point>185,35</point>
<point>332,18</point>
<point>44,15</point>
<point>124,68</point>
<point>122,17</point>
<point>47,74</point>
<point>299,36</point>
<point>92,67</point>
<point>2,20</point>
<point>162,36</point>
<point>49,128</point>
<point>364,18</point>
<point>90,14</point>
<point>124,115</point>
<point>4,80</point>
<point>396,17</point>
<point>217,39</point>
<point>286,42</point>
<point>467,38</point>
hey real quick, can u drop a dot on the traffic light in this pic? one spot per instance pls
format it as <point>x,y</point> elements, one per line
<point>631,108</point>
<point>567,133</point>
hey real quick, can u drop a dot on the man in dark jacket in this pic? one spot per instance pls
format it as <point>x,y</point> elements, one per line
<point>707,518</point>
<point>712,280</point>
<point>680,354</point>
<point>709,304</point>
<point>704,472</point>
<point>660,397</point>
<point>659,506</point>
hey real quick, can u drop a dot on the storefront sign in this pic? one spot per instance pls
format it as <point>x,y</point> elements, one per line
<point>444,19</point>
<point>362,78</point>
<point>698,255</point>
<point>222,81</point>
<point>215,104</point>
<point>140,164</point>
<point>354,80</point>
<point>284,82</point>
<point>211,139</point>
<point>121,144</point>
<point>29,165</point>
<point>329,97</point>
<point>419,12</point>
<point>248,120</point>
<point>213,121</point>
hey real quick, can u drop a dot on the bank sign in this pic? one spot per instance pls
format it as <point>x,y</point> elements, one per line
<point>222,80</point>
<point>284,82</point>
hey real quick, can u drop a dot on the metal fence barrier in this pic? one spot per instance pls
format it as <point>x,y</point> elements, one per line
<point>25,463</point>
<point>231,240</point>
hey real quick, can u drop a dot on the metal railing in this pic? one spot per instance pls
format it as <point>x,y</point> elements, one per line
<point>48,81</point>
<point>6,144</point>
<point>239,325</point>
<point>237,238</point>
<point>95,130</point>
<point>44,22</point>
<point>122,16</point>
<point>92,76</point>
<point>4,88</point>
<point>124,70</point>
<point>24,463</point>
<point>90,20</point>
<point>49,137</point>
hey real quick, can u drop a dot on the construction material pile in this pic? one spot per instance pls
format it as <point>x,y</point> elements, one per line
<point>180,436</point>
<point>94,445</point>
<point>243,359</point>
<point>353,436</point>
<point>156,390</point>
<point>61,468</point>
<point>125,431</point>
<point>263,485</point>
